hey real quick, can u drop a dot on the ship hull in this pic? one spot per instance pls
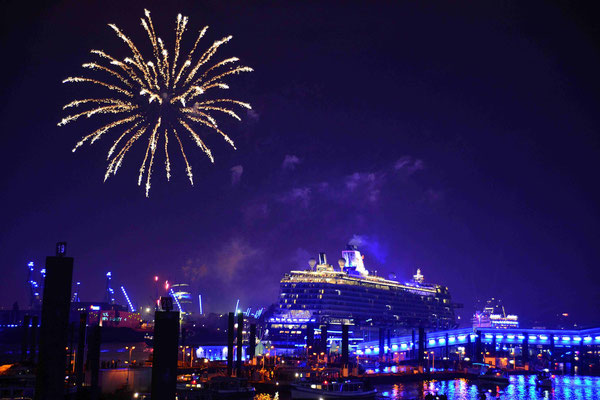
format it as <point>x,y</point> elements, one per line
<point>300,392</point>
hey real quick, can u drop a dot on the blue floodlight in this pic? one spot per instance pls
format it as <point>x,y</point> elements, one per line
<point>176,299</point>
<point>127,298</point>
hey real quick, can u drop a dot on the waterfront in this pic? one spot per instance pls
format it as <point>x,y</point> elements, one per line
<point>522,387</point>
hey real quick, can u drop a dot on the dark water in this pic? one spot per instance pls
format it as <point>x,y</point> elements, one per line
<point>520,388</point>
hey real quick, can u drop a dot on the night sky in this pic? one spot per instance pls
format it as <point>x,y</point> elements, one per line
<point>460,138</point>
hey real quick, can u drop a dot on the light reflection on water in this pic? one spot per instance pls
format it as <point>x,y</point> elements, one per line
<point>521,388</point>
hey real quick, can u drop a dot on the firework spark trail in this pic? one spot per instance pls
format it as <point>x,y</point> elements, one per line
<point>198,141</point>
<point>153,144</point>
<point>118,159</point>
<point>76,103</point>
<point>150,145</point>
<point>187,164</point>
<point>227,138</point>
<point>94,65</point>
<point>181,23</point>
<point>150,97</point>
<point>114,146</point>
<point>167,162</point>
<point>115,109</point>
<point>123,65</point>
<point>94,81</point>
<point>207,56</point>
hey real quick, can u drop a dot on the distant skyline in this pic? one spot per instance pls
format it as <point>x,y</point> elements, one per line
<point>459,138</point>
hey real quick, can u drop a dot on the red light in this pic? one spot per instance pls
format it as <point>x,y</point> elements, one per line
<point>193,382</point>
<point>156,278</point>
<point>324,382</point>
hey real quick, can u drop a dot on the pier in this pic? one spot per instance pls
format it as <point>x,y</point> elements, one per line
<point>565,350</point>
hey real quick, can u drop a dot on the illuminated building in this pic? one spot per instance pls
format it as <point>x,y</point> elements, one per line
<point>109,315</point>
<point>324,295</point>
<point>494,316</point>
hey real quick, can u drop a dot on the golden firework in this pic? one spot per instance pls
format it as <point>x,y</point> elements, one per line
<point>152,99</point>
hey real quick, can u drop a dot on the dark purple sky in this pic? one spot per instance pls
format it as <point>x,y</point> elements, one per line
<point>461,139</point>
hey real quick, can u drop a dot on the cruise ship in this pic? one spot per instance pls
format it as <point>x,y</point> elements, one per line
<point>323,295</point>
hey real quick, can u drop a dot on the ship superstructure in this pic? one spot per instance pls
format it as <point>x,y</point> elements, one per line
<point>494,316</point>
<point>350,294</point>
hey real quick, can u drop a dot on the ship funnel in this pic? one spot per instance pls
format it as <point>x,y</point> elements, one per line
<point>322,259</point>
<point>311,263</point>
<point>342,263</point>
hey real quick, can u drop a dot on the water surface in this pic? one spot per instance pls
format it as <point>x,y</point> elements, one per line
<point>520,388</point>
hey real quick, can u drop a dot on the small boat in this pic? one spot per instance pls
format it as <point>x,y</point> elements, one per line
<point>327,390</point>
<point>217,388</point>
<point>543,379</point>
<point>222,387</point>
<point>494,376</point>
<point>477,369</point>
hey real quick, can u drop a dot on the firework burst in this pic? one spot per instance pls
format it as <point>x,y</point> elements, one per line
<point>157,99</point>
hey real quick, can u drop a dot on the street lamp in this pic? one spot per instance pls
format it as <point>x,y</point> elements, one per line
<point>130,350</point>
<point>129,365</point>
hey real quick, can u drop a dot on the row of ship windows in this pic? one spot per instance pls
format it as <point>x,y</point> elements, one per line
<point>369,312</point>
<point>357,295</point>
<point>347,283</point>
<point>362,306</point>
<point>406,321</point>
<point>350,282</point>
<point>291,289</point>
<point>354,302</point>
<point>363,286</point>
<point>355,299</point>
<point>288,326</point>
<point>365,310</point>
<point>338,293</point>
